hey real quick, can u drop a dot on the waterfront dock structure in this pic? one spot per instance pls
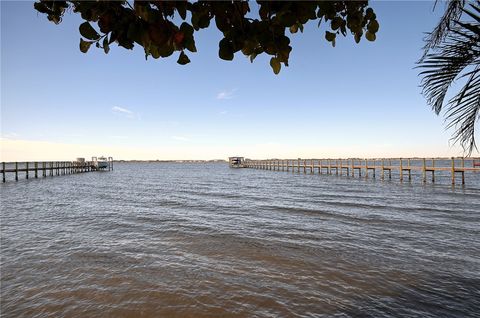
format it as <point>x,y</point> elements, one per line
<point>355,166</point>
<point>236,162</point>
<point>43,169</point>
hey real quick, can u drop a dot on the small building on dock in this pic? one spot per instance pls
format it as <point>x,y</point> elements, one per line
<point>236,162</point>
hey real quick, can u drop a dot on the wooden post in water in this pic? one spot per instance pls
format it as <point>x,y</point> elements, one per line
<point>353,168</point>
<point>26,170</point>
<point>16,171</point>
<point>424,171</point>
<point>463,171</point>
<point>304,165</point>
<point>298,165</point>
<point>433,170</point>
<point>3,171</point>
<point>311,165</point>
<point>390,170</point>
<point>366,168</point>
<point>374,163</point>
<point>453,171</point>
<point>401,170</point>
<point>383,170</point>
<point>409,170</point>
<point>36,170</point>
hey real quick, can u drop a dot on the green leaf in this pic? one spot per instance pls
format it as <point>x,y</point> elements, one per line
<point>370,36</point>
<point>153,50</point>
<point>330,37</point>
<point>106,48</point>
<point>358,37</point>
<point>166,50</point>
<point>87,31</point>
<point>182,10</point>
<point>41,7</point>
<point>294,28</point>
<point>275,64</point>
<point>186,28</point>
<point>336,23</point>
<point>373,26</point>
<point>84,46</point>
<point>225,51</point>
<point>190,44</point>
<point>183,59</point>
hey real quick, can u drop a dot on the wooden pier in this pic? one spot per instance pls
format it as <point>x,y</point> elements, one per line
<point>43,169</point>
<point>404,167</point>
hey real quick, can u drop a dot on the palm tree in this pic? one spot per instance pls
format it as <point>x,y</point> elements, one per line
<point>452,53</point>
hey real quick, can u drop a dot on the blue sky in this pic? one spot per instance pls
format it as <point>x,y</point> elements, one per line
<point>352,100</point>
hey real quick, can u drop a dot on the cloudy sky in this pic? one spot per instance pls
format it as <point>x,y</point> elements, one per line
<point>354,100</point>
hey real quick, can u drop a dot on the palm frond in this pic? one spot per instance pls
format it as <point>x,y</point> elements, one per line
<point>464,111</point>
<point>449,61</point>
<point>452,13</point>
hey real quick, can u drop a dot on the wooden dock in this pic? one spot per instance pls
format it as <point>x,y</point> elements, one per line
<point>43,169</point>
<point>404,167</point>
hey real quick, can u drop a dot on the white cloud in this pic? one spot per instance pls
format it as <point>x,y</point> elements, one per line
<point>121,110</point>
<point>10,135</point>
<point>180,138</point>
<point>124,112</point>
<point>223,112</point>
<point>226,94</point>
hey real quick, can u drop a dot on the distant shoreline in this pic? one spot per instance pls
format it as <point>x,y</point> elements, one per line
<point>174,161</point>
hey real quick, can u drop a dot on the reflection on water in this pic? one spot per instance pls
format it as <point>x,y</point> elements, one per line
<point>171,240</point>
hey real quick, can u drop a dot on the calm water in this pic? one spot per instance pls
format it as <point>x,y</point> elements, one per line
<point>173,240</point>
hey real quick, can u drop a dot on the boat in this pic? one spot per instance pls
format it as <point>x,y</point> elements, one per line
<point>100,163</point>
<point>236,162</point>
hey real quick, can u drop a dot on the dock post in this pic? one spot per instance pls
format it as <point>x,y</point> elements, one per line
<point>16,171</point>
<point>3,171</point>
<point>424,171</point>
<point>298,165</point>
<point>401,170</point>
<point>353,168</point>
<point>311,165</point>
<point>463,171</point>
<point>409,170</point>
<point>44,169</point>
<point>366,168</point>
<point>433,170</point>
<point>287,165</point>
<point>390,170</point>
<point>383,170</point>
<point>453,171</point>
<point>36,170</point>
<point>304,165</point>
<point>26,170</point>
<point>374,169</point>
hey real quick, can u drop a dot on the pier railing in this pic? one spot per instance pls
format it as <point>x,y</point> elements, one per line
<point>404,167</point>
<point>37,169</point>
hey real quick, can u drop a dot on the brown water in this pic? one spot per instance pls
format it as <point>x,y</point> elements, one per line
<point>173,240</point>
